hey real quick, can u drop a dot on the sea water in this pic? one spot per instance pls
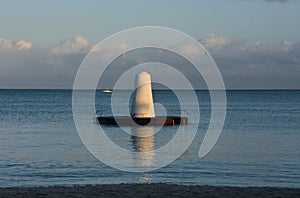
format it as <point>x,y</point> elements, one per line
<point>259,144</point>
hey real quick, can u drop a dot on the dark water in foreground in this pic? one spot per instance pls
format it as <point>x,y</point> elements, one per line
<point>259,145</point>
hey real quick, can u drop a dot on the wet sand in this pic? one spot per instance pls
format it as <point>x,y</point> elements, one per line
<point>149,190</point>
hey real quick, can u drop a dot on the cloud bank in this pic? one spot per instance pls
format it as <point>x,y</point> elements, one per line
<point>243,65</point>
<point>258,66</point>
<point>24,66</point>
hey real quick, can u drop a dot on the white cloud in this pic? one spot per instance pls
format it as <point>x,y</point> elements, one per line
<point>73,45</point>
<point>286,45</point>
<point>211,41</point>
<point>258,43</point>
<point>19,45</point>
<point>109,51</point>
<point>5,43</point>
<point>23,45</point>
<point>188,48</point>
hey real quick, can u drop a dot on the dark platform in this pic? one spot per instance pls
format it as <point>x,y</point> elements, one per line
<point>129,121</point>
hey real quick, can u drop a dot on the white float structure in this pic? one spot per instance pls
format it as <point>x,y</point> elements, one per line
<point>143,106</point>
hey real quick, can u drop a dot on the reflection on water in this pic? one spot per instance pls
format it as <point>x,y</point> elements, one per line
<point>146,178</point>
<point>143,143</point>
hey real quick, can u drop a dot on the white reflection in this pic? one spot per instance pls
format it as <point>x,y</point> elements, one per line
<point>143,143</point>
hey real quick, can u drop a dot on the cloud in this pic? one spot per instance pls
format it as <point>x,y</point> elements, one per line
<point>23,45</point>
<point>242,64</point>
<point>5,43</point>
<point>286,45</point>
<point>24,66</point>
<point>19,45</point>
<point>257,66</point>
<point>73,45</point>
<point>52,67</point>
<point>211,41</point>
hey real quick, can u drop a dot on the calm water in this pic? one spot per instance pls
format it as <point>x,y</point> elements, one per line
<point>259,145</point>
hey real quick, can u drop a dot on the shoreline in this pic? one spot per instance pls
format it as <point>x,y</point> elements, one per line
<point>148,190</point>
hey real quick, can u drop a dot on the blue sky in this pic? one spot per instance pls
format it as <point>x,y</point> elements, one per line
<point>256,43</point>
<point>46,23</point>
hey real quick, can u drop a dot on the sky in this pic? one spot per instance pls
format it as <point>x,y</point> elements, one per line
<point>256,43</point>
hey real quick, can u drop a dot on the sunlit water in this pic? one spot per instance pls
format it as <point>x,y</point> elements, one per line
<point>259,145</point>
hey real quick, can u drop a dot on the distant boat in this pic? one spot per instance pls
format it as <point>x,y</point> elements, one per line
<point>106,91</point>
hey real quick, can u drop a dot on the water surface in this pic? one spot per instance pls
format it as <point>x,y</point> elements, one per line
<point>259,145</point>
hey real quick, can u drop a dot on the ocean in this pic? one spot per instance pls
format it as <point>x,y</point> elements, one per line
<point>259,144</point>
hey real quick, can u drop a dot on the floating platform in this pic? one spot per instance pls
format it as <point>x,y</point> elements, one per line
<point>130,121</point>
<point>143,113</point>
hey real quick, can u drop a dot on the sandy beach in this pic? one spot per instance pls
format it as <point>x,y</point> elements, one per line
<point>149,190</point>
